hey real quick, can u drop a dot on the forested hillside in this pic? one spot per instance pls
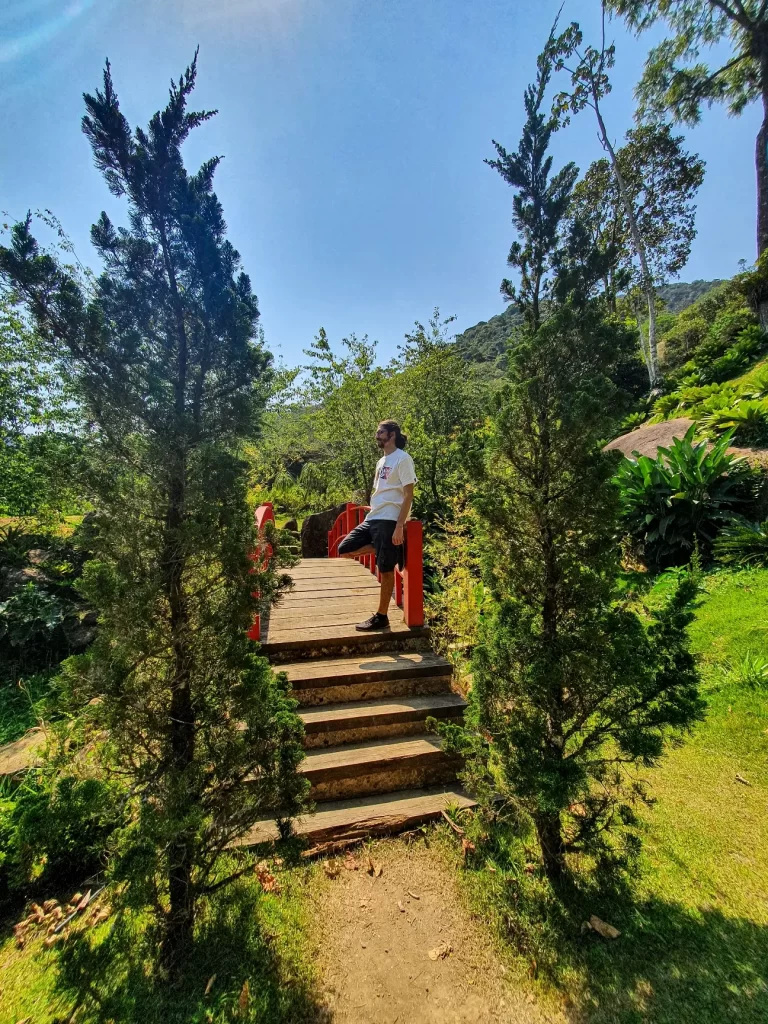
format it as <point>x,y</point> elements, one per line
<point>486,342</point>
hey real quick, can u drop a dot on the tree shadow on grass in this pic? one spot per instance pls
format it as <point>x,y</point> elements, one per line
<point>670,965</point>
<point>244,936</point>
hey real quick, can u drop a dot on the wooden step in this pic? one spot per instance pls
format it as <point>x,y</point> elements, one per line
<point>368,676</point>
<point>357,721</point>
<point>323,641</point>
<point>346,820</point>
<point>380,766</point>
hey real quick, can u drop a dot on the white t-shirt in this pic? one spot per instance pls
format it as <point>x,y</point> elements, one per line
<point>393,472</point>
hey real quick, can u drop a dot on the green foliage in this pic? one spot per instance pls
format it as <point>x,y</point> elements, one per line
<point>56,829</point>
<point>351,396</point>
<point>568,683</point>
<point>166,354</point>
<point>540,201</point>
<point>751,672</point>
<point>682,498</point>
<point>441,401</point>
<point>743,544</point>
<point>678,295</point>
<point>488,341</point>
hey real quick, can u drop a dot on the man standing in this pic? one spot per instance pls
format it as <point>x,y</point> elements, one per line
<point>381,532</point>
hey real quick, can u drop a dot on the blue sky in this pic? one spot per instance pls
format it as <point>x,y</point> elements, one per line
<point>354,133</point>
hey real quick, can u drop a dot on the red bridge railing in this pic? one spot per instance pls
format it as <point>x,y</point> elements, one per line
<point>409,582</point>
<point>260,557</point>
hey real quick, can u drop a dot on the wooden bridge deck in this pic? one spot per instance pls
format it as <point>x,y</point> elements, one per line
<point>330,596</point>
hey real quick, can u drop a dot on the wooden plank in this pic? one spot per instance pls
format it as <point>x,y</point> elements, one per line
<point>328,567</point>
<point>345,762</point>
<point>365,668</point>
<point>335,636</point>
<point>328,593</point>
<point>357,714</point>
<point>345,820</point>
<point>318,615</point>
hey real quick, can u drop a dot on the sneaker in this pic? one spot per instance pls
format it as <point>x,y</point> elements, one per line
<point>377,621</point>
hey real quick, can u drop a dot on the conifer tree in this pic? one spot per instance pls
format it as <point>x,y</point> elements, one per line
<point>164,352</point>
<point>540,199</point>
<point>573,690</point>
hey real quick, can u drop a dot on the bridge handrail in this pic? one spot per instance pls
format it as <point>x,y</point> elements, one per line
<point>409,581</point>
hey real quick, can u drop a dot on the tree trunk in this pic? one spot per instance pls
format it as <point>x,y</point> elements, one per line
<point>761,166</point>
<point>550,832</point>
<point>646,281</point>
<point>181,724</point>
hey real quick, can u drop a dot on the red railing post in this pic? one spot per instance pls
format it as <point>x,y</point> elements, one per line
<point>264,514</point>
<point>413,575</point>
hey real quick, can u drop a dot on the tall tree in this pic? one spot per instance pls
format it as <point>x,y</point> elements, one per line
<point>678,80</point>
<point>572,688</point>
<point>541,198</point>
<point>352,395</point>
<point>661,180</point>
<point>164,353</point>
<point>440,402</point>
<point>588,67</point>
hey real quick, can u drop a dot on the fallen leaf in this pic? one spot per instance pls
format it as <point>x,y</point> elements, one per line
<point>414,895</point>
<point>266,879</point>
<point>743,781</point>
<point>400,906</point>
<point>603,928</point>
<point>24,1020</point>
<point>440,952</point>
<point>467,846</point>
<point>332,868</point>
<point>491,868</point>
<point>578,810</point>
<point>378,870</point>
<point>100,915</point>
<point>245,997</point>
<point>84,901</point>
<point>49,905</point>
<point>278,862</point>
<point>373,869</point>
<point>529,869</point>
<point>350,863</point>
<point>209,986</point>
<point>76,899</point>
<point>52,939</point>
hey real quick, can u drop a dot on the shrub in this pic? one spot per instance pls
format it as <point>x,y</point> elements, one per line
<point>743,544</point>
<point>748,419</point>
<point>751,671</point>
<point>681,498</point>
<point>737,358</point>
<point>727,327</point>
<point>55,829</point>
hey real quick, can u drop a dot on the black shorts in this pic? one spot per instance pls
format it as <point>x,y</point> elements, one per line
<point>377,532</point>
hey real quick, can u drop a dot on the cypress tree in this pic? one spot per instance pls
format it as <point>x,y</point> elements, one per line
<point>574,689</point>
<point>165,352</point>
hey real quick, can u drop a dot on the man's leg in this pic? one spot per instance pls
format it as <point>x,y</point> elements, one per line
<point>367,550</point>
<point>385,593</point>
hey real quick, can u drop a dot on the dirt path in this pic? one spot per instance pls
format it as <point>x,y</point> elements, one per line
<point>375,935</point>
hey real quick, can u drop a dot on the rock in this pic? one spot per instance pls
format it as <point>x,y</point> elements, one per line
<point>292,526</point>
<point>19,756</point>
<point>314,532</point>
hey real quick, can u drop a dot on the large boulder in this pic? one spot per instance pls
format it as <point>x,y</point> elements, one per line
<point>314,532</point>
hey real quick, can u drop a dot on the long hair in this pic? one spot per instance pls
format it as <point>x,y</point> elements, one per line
<point>392,427</point>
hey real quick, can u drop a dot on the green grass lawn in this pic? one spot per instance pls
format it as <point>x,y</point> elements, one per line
<point>694,921</point>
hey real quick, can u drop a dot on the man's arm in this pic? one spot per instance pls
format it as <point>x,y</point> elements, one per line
<point>397,536</point>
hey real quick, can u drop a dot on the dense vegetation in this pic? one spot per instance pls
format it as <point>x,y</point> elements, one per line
<point>141,420</point>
